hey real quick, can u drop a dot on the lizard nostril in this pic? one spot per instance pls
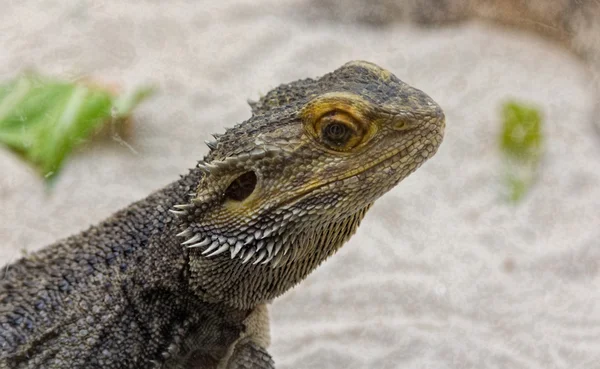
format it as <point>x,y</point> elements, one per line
<point>241,187</point>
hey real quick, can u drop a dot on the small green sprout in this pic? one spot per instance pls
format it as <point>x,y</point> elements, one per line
<point>521,143</point>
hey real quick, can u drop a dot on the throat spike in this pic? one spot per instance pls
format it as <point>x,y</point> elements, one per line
<point>211,248</point>
<point>185,233</point>
<point>204,242</point>
<point>248,256</point>
<point>194,239</point>
<point>236,249</point>
<point>220,250</point>
<point>261,255</point>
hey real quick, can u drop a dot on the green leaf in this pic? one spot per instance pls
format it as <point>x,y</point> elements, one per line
<point>43,119</point>
<point>521,142</point>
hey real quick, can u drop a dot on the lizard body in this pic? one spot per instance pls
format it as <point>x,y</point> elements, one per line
<point>180,279</point>
<point>128,282</point>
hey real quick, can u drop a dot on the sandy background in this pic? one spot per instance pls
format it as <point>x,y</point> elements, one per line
<point>442,274</point>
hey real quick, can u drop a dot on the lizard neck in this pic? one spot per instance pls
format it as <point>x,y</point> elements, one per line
<point>139,246</point>
<point>245,285</point>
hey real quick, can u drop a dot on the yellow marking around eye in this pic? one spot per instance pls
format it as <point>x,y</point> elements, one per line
<point>349,103</point>
<point>357,110</point>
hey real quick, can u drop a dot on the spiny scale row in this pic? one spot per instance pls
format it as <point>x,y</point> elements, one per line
<point>264,250</point>
<point>254,155</point>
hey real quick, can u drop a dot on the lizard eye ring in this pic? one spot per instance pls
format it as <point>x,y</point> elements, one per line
<point>340,121</point>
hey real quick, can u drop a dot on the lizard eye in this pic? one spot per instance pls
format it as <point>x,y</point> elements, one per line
<point>336,133</point>
<point>338,130</point>
<point>241,187</point>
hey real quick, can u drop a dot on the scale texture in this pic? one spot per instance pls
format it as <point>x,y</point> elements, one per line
<point>441,273</point>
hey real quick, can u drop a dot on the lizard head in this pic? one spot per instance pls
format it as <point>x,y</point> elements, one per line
<point>290,185</point>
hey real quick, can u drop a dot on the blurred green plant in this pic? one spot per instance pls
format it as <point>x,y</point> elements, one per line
<point>521,143</point>
<point>44,119</point>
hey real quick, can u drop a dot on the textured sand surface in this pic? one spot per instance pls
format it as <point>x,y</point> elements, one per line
<point>442,274</point>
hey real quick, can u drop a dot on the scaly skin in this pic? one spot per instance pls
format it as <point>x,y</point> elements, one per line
<point>128,282</point>
<point>181,278</point>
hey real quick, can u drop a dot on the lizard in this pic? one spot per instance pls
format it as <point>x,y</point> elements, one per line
<point>182,278</point>
<point>571,22</point>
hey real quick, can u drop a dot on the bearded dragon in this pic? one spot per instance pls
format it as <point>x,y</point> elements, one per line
<point>181,278</point>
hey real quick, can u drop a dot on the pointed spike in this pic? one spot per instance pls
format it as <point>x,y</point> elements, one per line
<point>196,238</point>
<point>211,144</point>
<point>186,232</point>
<point>257,151</point>
<point>261,255</point>
<point>286,249</point>
<point>178,212</point>
<point>278,248</point>
<point>270,245</point>
<point>203,165</point>
<point>211,248</point>
<point>220,250</point>
<point>260,245</point>
<point>183,206</point>
<point>252,103</point>
<point>268,232</point>
<point>204,242</point>
<point>268,258</point>
<point>236,249</point>
<point>205,168</point>
<point>249,256</point>
<point>249,240</point>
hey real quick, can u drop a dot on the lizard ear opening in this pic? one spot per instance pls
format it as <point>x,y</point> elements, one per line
<point>241,187</point>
